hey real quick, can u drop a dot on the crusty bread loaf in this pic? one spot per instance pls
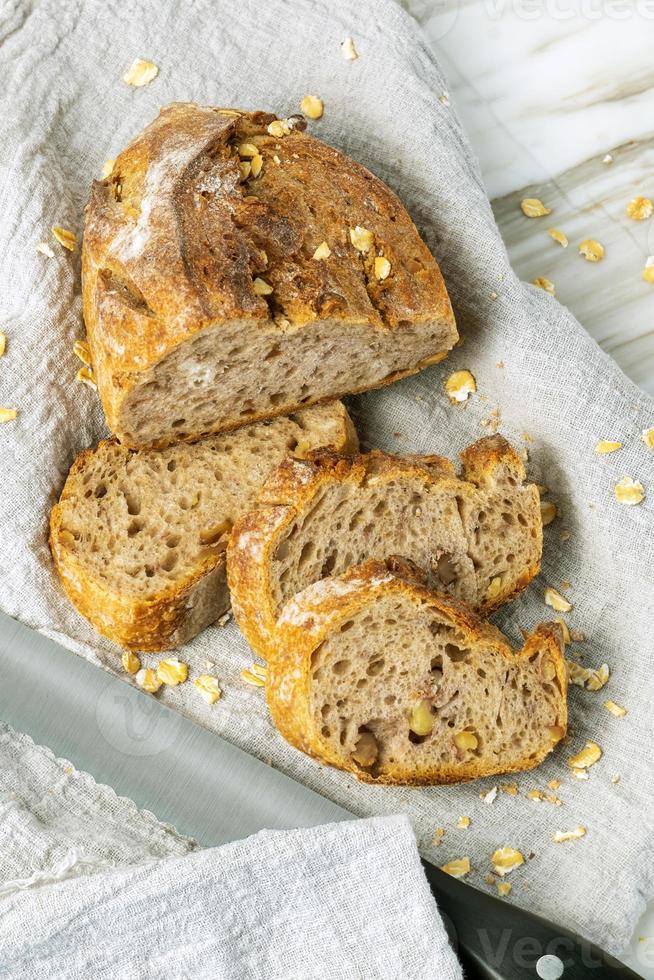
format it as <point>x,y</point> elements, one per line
<point>395,683</point>
<point>479,537</point>
<point>205,303</point>
<point>138,538</point>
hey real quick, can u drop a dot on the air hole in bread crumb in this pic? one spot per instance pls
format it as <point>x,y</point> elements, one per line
<point>375,667</point>
<point>178,423</point>
<point>456,654</point>
<point>134,527</point>
<point>169,561</point>
<point>100,490</point>
<point>341,667</point>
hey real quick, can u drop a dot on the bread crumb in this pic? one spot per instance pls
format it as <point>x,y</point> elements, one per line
<point>648,271</point>
<point>640,208</point>
<point>533,208</point>
<point>140,73</point>
<point>459,386</point>
<point>45,249</point>
<point>607,158</point>
<point>615,709</point>
<point>629,492</point>
<point>548,512</point>
<point>591,250</point>
<point>3,343</point>
<point>503,888</point>
<point>647,436</point>
<point>489,797</point>
<point>558,236</point>
<point>499,364</point>
<point>444,98</point>
<point>604,446</point>
<point>458,868</point>
<point>348,51</point>
<point>439,833</point>
<point>463,823</point>
<point>312,106</point>
<point>86,376</point>
<point>556,601</point>
<point>578,637</point>
<point>615,780</point>
<point>224,619</point>
<point>565,534</point>
<point>65,237</point>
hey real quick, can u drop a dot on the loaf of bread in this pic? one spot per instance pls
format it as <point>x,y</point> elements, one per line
<point>235,269</point>
<point>381,677</point>
<point>478,536</point>
<point>139,537</point>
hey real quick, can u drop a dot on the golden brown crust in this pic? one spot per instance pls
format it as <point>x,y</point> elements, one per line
<point>173,240</point>
<point>256,535</point>
<point>319,611</point>
<point>174,615</point>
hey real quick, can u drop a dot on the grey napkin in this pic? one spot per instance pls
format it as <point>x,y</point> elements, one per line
<point>347,900</point>
<point>65,110</point>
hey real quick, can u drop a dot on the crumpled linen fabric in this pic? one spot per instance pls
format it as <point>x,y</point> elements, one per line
<point>64,111</point>
<point>91,886</point>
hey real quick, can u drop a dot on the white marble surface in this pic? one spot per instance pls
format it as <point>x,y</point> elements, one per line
<point>545,89</point>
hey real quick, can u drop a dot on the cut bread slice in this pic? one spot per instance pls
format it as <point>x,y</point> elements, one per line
<point>478,536</point>
<point>138,537</point>
<point>235,268</point>
<point>386,679</point>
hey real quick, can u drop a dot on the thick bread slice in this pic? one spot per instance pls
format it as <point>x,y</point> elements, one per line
<point>395,683</point>
<point>138,538</point>
<point>204,303</point>
<point>478,536</point>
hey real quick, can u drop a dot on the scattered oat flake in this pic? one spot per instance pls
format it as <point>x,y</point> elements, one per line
<point>562,835</point>
<point>493,295</point>
<point>558,236</point>
<point>647,436</point>
<point>348,51</point>
<point>565,534</point>
<point>589,755</point>
<point>547,512</point>
<point>545,284</point>
<point>439,833</point>
<point>65,237</point>
<point>312,106</point>
<point>8,414</point>
<point>578,637</point>
<point>503,888</point>
<point>148,680</point>
<point>556,600</point>
<point>107,168</point>
<point>615,780</point>
<point>489,797</point>
<point>459,386</point>
<point>224,619</point>
<point>534,208</point>
<point>499,364</point>
<point>605,446</point>
<point>86,376</point>
<point>458,868</point>
<point>463,823</point>
<point>506,859</point>
<point>615,709</point>
<point>591,250</point>
<point>82,351</point>
<point>45,249</point>
<point>490,879</point>
<point>322,252</point>
<point>261,287</point>
<point>208,687</point>
<point>140,73</point>
<point>250,678</point>
<point>131,663</point>
<point>629,492</point>
<point>607,159</point>
<point>494,588</point>
<point>511,789</point>
<point>648,271</point>
<point>3,343</point>
<point>535,794</point>
<point>554,783</point>
<point>444,98</point>
<point>640,208</point>
<point>278,128</point>
<point>591,679</point>
<point>564,629</point>
<point>259,671</point>
<point>172,671</point>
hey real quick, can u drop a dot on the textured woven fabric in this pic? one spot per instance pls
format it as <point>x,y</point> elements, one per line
<point>347,900</point>
<point>65,110</point>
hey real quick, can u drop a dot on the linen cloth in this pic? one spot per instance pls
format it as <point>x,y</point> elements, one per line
<point>346,900</point>
<point>64,111</point>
